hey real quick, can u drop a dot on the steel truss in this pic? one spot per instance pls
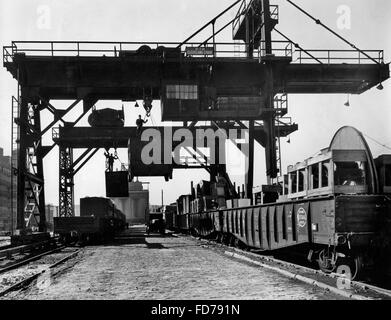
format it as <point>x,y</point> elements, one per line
<point>28,155</point>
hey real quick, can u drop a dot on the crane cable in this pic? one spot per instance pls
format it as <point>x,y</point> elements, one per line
<point>317,21</point>
<point>123,164</point>
<point>209,23</point>
<point>297,46</point>
<point>377,142</point>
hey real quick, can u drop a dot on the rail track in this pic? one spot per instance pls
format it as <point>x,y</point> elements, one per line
<point>26,261</point>
<point>36,251</point>
<point>350,289</point>
<point>27,281</point>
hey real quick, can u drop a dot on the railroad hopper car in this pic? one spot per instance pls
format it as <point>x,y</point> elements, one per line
<point>335,208</point>
<point>99,221</point>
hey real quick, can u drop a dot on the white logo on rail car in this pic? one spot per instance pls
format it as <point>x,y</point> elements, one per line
<point>301,218</point>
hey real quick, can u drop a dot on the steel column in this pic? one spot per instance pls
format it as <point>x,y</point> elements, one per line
<point>30,186</point>
<point>249,174</point>
<point>66,183</point>
<point>40,172</point>
<point>22,160</point>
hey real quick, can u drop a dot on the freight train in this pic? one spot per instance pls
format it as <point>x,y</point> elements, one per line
<point>99,221</point>
<point>335,208</point>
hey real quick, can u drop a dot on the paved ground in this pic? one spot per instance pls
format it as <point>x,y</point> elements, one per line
<point>166,268</point>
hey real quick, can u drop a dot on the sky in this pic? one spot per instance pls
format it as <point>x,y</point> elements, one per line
<point>318,116</point>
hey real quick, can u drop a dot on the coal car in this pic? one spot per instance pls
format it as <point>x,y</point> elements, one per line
<point>335,208</point>
<point>99,221</point>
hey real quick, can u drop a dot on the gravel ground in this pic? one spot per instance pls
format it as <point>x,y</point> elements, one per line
<point>167,269</point>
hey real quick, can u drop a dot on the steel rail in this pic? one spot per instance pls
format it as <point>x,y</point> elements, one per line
<point>28,260</point>
<point>13,250</point>
<point>25,282</point>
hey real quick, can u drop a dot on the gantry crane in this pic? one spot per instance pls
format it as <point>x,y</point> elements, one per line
<point>226,88</point>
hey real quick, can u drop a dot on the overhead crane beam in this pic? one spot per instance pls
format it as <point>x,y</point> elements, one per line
<point>123,79</point>
<point>106,138</point>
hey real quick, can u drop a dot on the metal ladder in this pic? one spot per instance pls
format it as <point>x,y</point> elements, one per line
<point>32,191</point>
<point>31,211</point>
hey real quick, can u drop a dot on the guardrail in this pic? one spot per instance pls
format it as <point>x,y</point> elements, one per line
<point>195,50</point>
<point>280,49</point>
<point>112,49</point>
<point>338,56</point>
<point>8,53</point>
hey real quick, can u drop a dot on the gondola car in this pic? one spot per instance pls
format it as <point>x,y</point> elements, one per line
<point>99,221</point>
<point>334,207</point>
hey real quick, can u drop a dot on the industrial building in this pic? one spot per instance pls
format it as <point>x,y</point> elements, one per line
<point>136,205</point>
<point>5,193</point>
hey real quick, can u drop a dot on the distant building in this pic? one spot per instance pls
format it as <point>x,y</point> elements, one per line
<point>5,194</point>
<point>155,208</point>
<point>136,206</point>
<point>77,210</point>
<point>50,212</point>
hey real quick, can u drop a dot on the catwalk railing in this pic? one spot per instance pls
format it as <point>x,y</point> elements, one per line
<point>232,50</point>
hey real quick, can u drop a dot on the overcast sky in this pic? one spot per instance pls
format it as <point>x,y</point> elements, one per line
<point>318,116</point>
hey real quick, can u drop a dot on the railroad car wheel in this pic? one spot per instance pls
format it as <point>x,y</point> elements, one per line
<point>326,262</point>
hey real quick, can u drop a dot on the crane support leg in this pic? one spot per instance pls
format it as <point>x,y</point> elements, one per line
<point>249,174</point>
<point>30,180</point>
<point>66,184</point>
